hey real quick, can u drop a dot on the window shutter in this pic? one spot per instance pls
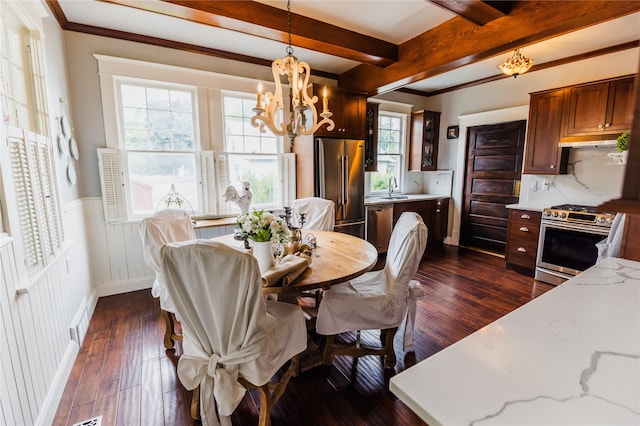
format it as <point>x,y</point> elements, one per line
<point>112,183</point>
<point>206,180</point>
<point>288,174</point>
<point>26,185</point>
<point>222,181</point>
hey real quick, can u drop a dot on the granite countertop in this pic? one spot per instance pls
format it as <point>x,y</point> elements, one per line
<point>570,356</point>
<point>375,200</point>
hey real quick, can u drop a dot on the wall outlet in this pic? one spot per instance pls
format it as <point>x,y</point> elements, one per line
<point>545,185</point>
<point>533,185</point>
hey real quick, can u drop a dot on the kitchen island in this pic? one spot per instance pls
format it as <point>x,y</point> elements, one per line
<point>570,356</point>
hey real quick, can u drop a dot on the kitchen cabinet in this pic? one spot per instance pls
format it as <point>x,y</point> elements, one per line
<point>423,149</point>
<point>434,213</point>
<point>348,108</point>
<point>379,226</point>
<point>522,240</point>
<point>543,156</point>
<point>371,138</point>
<point>599,108</point>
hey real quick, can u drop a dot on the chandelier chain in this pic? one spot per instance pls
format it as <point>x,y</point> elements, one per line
<point>289,48</point>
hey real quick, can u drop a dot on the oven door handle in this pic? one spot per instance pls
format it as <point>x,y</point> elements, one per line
<point>580,228</point>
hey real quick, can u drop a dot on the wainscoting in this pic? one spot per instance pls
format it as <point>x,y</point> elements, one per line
<point>37,351</point>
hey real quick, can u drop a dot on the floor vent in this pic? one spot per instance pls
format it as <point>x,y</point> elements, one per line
<point>79,325</point>
<point>96,421</point>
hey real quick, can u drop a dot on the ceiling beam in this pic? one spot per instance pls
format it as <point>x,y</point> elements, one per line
<point>478,12</point>
<point>433,52</point>
<point>261,20</point>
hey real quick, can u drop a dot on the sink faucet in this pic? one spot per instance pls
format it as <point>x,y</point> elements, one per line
<point>395,185</point>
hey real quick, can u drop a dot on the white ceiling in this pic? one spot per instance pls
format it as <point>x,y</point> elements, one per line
<point>395,21</point>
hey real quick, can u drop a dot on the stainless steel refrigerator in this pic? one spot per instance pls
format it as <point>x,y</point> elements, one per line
<point>340,177</point>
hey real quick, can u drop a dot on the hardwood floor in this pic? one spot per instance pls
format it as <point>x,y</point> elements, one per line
<point>124,373</point>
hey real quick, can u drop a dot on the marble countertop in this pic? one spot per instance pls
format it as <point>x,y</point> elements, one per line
<point>525,207</point>
<point>375,200</point>
<point>570,356</point>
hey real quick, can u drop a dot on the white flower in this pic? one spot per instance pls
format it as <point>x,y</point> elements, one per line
<point>259,225</point>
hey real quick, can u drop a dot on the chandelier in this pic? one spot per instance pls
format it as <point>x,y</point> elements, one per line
<point>516,64</point>
<point>301,106</point>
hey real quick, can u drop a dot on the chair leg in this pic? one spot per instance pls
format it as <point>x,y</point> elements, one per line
<point>170,335</point>
<point>271,392</point>
<point>195,404</point>
<point>389,352</point>
<point>327,352</point>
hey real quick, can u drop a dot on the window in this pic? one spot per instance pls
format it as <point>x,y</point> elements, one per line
<point>253,156</point>
<point>158,135</point>
<point>30,200</point>
<point>391,143</point>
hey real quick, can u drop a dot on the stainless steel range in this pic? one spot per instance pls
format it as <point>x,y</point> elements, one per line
<point>568,237</point>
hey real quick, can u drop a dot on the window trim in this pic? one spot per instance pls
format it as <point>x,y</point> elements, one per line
<point>403,151</point>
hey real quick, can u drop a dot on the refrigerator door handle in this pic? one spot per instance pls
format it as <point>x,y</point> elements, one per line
<point>340,181</point>
<point>345,180</point>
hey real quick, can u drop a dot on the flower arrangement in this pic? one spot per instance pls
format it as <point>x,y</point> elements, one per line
<point>261,226</point>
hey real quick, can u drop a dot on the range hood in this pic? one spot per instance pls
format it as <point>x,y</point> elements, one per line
<point>587,143</point>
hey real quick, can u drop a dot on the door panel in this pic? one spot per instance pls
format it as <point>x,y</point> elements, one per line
<point>354,165</point>
<point>494,165</point>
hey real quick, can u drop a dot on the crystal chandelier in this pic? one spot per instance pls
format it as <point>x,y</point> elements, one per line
<point>516,64</point>
<point>300,104</point>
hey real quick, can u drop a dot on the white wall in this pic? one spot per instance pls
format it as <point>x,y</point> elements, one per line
<point>37,350</point>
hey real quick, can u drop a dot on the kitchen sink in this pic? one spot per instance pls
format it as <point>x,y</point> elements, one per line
<point>395,197</point>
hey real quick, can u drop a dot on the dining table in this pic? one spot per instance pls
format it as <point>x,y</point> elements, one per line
<point>336,258</point>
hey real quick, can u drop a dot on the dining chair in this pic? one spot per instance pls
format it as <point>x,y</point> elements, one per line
<point>318,213</point>
<point>164,226</point>
<point>379,299</point>
<point>233,339</point>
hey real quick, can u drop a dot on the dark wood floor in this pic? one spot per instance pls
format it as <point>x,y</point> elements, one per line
<point>124,373</point>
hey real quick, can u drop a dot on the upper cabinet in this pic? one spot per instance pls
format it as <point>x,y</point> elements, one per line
<point>423,150</point>
<point>348,110</point>
<point>543,156</point>
<point>371,138</point>
<point>599,108</point>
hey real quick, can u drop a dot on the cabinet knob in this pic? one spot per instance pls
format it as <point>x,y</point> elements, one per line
<point>600,126</point>
<point>525,216</point>
<point>607,125</point>
<point>524,229</point>
<point>553,166</point>
<point>437,210</point>
<point>522,249</point>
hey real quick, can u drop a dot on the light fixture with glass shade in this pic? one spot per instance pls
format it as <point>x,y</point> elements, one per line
<point>300,104</point>
<point>517,64</point>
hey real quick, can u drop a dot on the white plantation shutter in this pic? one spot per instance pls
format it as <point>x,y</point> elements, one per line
<point>112,183</point>
<point>33,181</point>
<point>288,174</point>
<point>222,181</point>
<point>206,179</point>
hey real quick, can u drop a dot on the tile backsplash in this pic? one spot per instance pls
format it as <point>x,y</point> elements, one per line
<point>593,178</point>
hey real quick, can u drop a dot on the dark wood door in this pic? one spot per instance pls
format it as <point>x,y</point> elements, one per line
<point>494,165</point>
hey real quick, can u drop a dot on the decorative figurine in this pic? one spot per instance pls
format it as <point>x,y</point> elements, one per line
<point>243,201</point>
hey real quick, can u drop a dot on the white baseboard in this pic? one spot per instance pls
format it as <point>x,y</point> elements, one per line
<point>51,401</point>
<point>119,287</point>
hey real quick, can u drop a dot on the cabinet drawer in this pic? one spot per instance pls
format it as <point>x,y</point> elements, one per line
<point>523,255</point>
<point>524,230</point>
<point>525,216</point>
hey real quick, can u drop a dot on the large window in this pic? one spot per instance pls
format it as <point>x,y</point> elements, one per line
<point>158,133</point>
<point>253,156</point>
<point>391,143</point>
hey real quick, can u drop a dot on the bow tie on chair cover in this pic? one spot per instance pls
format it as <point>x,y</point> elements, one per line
<point>416,292</point>
<point>217,381</point>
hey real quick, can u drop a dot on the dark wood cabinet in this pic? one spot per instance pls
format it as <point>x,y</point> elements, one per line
<point>348,110</point>
<point>599,108</point>
<point>434,213</point>
<point>423,150</point>
<point>543,156</point>
<point>371,138</point>
<point>522,240</point>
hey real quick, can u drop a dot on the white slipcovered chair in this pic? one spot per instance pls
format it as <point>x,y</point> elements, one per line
<point>379,299</point>
<point>319,213</point>
<point>165,226</point>
<point>232,338</point>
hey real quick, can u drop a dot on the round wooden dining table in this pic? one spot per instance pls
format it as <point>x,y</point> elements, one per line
<point>336,258</point>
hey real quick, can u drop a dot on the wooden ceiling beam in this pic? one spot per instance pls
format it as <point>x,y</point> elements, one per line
<point>261,20</point>
<point>435,52</point>
<point>478,12</point>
